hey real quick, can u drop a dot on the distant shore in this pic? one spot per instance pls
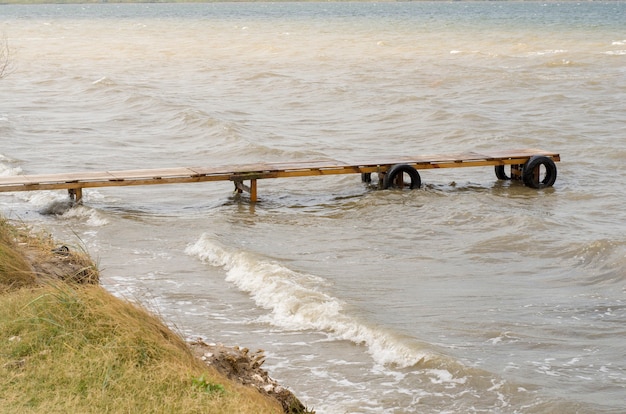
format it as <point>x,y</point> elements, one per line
<point>25,2</point>
<point>42,2</point>
<point>193,1</point>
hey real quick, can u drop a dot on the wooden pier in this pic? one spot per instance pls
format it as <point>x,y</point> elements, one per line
<point>534,167</point>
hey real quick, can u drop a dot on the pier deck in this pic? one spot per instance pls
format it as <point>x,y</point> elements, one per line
<point>75,182</point>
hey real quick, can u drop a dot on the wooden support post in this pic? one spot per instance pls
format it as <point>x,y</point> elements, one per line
<point>400,180</point>
<point>241,187</point>
<point>381,179</point>
<point>516,172</point>
<point>253,196</point>
<point>76,195</point>
<point>537,173</point>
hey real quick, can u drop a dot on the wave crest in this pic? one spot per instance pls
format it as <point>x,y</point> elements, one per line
<point>296,302</point>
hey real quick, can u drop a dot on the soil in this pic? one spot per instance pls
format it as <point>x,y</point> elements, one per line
<point>240,365</point>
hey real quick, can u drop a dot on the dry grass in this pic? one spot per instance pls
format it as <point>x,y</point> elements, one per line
<point>27,258</point>
<point>68,347</point>
<point>81,350</point>
<point>15,271</point>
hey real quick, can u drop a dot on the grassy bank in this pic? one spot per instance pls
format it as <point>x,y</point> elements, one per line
<point>67,345</point>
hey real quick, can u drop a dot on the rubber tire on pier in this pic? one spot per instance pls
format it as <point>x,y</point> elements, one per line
<point>392,174</point>
<point>366,177</point>
<point>528,173</point>
<point>500,173</point>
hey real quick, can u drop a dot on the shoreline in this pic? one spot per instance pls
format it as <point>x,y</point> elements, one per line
<point>242,366</point>
<point>66,268</point>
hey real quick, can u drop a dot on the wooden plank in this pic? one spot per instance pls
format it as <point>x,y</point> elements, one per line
<point>315,171</point>
<point>466,159</point>
<point>302,165</point>
<point>149,174</point>
<point>56,178</point>
<point>418,159</point>
<point>517,153</point>
<point>228,169</point>
<point>267,167</point>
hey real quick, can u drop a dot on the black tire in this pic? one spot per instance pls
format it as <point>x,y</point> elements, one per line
<point>500,173</point>
<point>394,171</point>
<point>366,177</point>
<point>529,175</point>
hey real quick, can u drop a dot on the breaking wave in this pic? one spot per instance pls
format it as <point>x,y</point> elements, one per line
<point>296,302</point>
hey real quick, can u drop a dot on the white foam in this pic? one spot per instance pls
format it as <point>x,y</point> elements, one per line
<point>297,302</point>
<point>5,169</point>
<point>442,376</point>
<point>43,200</point>
<point>547,52</point>
<point>102,79</point>
<point>40,199</point>
<point>91,217</point>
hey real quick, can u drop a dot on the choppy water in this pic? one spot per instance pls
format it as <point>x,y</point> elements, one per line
<point>468,295</point>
